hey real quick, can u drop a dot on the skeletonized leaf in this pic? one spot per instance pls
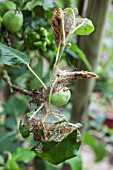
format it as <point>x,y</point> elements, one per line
<point>12,57</point>
<point>57,152</point>
<point>85,27</point>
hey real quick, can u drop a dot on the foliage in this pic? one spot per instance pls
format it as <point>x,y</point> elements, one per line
<point>22,54</point>
<point>98,148</point>
<point>75,163</point>
<point>20,155</point>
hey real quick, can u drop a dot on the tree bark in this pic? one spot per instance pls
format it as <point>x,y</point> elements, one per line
<point>91,46</point>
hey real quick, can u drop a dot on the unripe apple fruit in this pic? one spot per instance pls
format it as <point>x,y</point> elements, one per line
<point>6,6</point>
<point>13,21</point>
<point>61,97</point>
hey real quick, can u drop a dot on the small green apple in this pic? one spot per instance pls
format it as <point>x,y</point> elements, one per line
<point>61,97</point>
<point>13,21</point>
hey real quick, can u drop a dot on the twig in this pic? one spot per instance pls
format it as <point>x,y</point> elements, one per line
<point>51,89</point>
<point>78,75</point>
<point>65,76</point>
<point>14,87</point>
<point>24,91</point>
<point>47,113</point>
<point>7,80</point>
<point>36,111</point>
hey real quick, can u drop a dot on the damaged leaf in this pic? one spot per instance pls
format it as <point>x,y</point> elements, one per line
<point>57,152</point>
<point>85,27</point>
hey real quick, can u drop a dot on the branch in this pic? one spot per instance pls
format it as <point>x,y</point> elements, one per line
<point>24,91</point>
<point>65,76</point>
<point>14,87</point>
<point>7,80</point>
<point>78,75</point>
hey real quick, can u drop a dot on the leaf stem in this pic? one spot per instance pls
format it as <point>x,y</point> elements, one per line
<point>56,61</point>
<point>30,69</point>
<point>60,50</point>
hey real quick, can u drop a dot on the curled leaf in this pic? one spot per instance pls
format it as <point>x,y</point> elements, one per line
<point>85,27</point>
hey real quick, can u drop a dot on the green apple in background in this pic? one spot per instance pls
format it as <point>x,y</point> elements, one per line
<point>13,21</point>
<point>6,6</point>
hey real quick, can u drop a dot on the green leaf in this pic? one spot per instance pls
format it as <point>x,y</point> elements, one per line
<point>12,57</point>
<point>1,160</point>
<point>71,53</point>
<point>75,10</point>
<point>66,3</point>
<point>11,165</point>
<point>57,152</point>
<point>8,153</point>
<point>82,56</point>
<point>12,107</point>
<point>38,69</point>
<point>22,79</point>
<point>90,140</point>
<point>86,27</point>
<point>98,148</point>
<point>23,155</point>
<point>69,11</point>
<point>75,163</point>
<point>31,5</point>
<point>6,139</point>
<point>11,122</point>
<point>39,11</point>
<point>27,18</point>
<point>100,151</point>
<point>24,132</point>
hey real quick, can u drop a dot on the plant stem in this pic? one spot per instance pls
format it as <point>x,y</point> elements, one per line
<point>57,114</point>
<point>24,91</point>
<point>56,61</point>
<point>47,113</point>
<point>14,87</point>
<point>51,89</point>
<point>30,69</point>
<point>7,80</point>
<point>36,111</point>
<point>60,50</point>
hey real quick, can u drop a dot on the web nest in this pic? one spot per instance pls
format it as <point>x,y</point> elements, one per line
<point>49,124</point>
<point>37,124</point>
<point>54,129</point>
<point>60,80</point>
